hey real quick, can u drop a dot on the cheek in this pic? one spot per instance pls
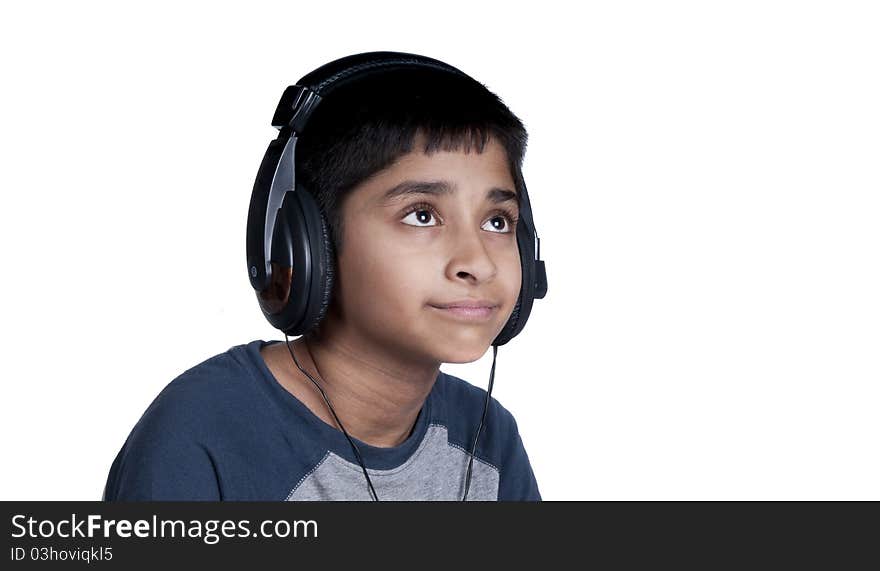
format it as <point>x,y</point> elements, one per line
<point>384,279</point>
<point>512,276</point>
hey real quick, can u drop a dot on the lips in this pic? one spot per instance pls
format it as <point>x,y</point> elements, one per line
<point>467,310</point>
<point>467,304</point>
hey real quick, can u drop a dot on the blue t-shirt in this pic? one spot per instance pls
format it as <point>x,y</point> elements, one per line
<point>227,430</point>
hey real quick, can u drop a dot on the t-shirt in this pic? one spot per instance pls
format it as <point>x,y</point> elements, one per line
<point>226,429</point>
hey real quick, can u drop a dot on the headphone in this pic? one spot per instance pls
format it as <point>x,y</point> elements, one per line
<point>290,255</point>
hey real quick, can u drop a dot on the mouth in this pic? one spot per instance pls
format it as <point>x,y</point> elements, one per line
<point>467,311</point>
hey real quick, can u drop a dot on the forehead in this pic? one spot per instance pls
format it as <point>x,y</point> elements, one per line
<point>441,173</point>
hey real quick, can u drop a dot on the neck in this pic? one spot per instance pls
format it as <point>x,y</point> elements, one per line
<point>376,395</point>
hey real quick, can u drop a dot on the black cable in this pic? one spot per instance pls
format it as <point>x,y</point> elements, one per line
<point>350,441</point>
<point>467,484</point>
<point>357,453</point>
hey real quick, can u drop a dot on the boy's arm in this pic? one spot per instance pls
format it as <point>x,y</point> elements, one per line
<point>178,473</point>
<point>161,460</point>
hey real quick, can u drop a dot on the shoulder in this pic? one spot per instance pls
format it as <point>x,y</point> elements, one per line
<point>168,453</point>
<point>500,443</point>
<point>465,403</point>
<point>211,389</point>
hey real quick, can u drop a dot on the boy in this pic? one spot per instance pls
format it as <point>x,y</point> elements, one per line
<point>416,174</point>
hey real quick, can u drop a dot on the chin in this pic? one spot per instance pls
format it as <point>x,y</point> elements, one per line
<point>464,351</point>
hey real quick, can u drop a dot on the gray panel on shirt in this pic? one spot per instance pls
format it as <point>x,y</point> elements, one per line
<point>435,471</point>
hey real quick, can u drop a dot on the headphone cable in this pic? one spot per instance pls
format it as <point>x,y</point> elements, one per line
<point>355,448</point>
<point>467,484</point>
<point>350,441</point>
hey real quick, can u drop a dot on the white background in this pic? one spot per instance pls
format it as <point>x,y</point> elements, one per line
<point>704,178</point>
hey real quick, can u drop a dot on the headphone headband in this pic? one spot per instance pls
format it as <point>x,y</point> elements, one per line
<point>300,100</point>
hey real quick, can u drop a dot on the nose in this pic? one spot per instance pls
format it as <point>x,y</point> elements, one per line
<point>469,259</point>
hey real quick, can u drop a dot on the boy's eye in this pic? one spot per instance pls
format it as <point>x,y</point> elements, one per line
<point>499,224</point>
<point>419,217</point>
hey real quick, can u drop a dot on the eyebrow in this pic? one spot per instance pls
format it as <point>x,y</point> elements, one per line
<point>439,188</point>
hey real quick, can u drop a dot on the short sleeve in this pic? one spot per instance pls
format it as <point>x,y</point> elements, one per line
<point>163,459</point>
<point>517,481</point>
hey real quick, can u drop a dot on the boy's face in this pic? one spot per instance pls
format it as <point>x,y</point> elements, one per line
<point>403,256</point>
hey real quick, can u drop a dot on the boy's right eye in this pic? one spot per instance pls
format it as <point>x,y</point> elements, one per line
<point>420,215</point>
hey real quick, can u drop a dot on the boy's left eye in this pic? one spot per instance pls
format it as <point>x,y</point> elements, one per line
<point>505,226</point>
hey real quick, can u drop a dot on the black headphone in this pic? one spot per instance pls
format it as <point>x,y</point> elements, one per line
<point>289,251</point>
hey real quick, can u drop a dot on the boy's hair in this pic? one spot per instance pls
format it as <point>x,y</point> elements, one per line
<point>362,128</point>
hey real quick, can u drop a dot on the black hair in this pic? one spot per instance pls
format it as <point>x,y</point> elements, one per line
<point>362,128</point>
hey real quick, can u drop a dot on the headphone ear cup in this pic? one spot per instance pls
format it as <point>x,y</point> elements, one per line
<point>320,267</point>
<point>520,313</point>
<point>508,332</point>
<point>285,300</point>
<point>325,286</point>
